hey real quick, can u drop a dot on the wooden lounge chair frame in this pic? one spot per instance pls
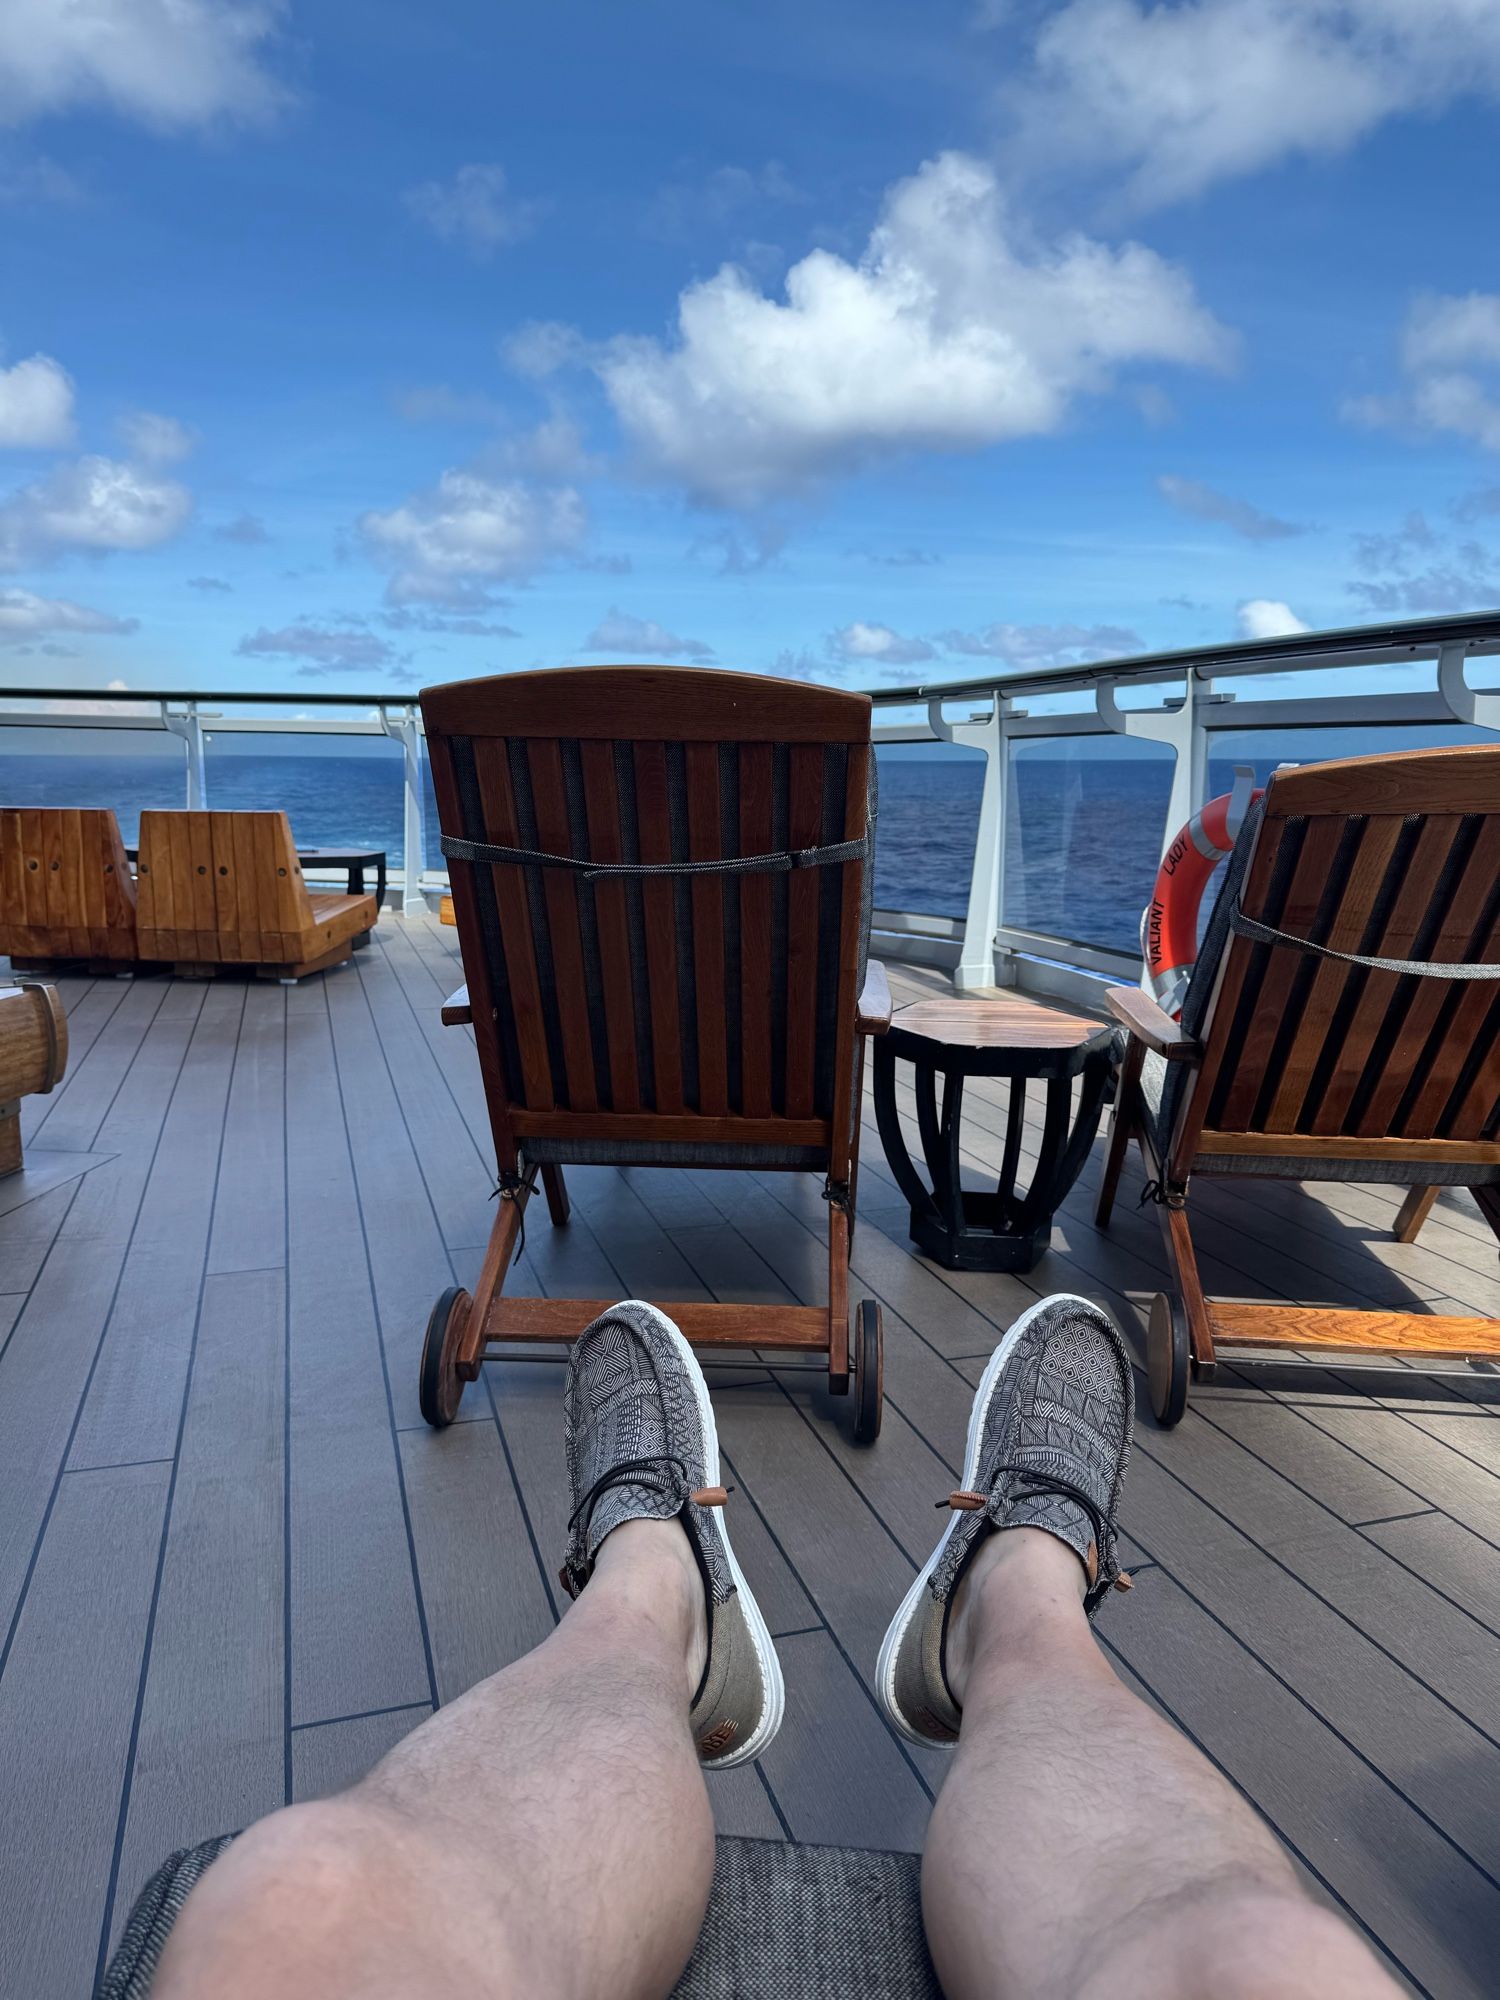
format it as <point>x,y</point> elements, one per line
<point>661,879</point>
<point>1334,1029</point>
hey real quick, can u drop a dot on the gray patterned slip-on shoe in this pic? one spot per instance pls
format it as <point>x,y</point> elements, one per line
<point>1049,1435</point>
<point>639,1431</point>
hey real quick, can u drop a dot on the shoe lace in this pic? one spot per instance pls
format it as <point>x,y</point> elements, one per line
<point>661,1472</point>
<point>1022,1480</point>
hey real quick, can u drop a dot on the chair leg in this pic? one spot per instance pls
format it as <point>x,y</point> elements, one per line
<point>1183,1259</point>
<point>505,1232</point>
<point>558,1205</point>
<point>838,1301</point>
<point>1412,1213</point>
<point>1119,1130</point>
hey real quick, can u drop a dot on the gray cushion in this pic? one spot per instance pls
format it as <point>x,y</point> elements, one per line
<point>784,1923</point>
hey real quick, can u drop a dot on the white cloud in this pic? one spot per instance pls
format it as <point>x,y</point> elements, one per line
<point>540,347</point>
<point>325,648</point>
<point>1414,570</point>
<point>474,209</point>
<point>1045,645</point>
<point>1176,98</point>
<point>743,554</point>
<point>952,332</point>
<point>1189,496</point>
<point>714,200</point>
<point>169,63</point>
<point>36,404</point>
<point>619,632</point>
<point>25,616</point>
<point>446,545</point>
<point>94,505</point>
<point>877,645</point>
<point>156,440</point>
<point>1267,618</point>
<point>1445,339</point>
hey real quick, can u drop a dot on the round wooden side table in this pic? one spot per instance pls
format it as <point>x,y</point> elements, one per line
<point>1026,1044</point>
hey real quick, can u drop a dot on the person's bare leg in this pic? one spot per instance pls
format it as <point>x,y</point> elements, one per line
<point>1081,1846</point>
<point>548,1833</point>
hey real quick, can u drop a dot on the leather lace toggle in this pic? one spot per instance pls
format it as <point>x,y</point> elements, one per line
<point>966,1503</point>
<point>710,1496</point>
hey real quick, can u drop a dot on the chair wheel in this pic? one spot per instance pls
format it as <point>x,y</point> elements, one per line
<point>869,1373</point>
<point>440,1387</point>
<point>1168,1355</point>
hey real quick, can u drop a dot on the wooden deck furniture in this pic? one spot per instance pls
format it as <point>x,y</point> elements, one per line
<point>66,892</point>
<point>226,889</point>
<point>33,1056</point>
<point>1334,1029</point>
<point>1014,1039</point>
<point>662,883</point>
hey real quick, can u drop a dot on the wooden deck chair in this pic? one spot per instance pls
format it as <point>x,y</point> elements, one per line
<point>65,889</point>
<point>1342,1023</point>
<point>662,883</point>
<point>226,888</point>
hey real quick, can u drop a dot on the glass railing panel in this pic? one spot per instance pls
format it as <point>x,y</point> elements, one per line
<point>123,770</point>
<point>929,818</point>
<point>1264,749</point>
<point>337,791</point>
<point>1083,834</point>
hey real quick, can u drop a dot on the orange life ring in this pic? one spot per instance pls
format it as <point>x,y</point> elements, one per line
<point>1169,923</point>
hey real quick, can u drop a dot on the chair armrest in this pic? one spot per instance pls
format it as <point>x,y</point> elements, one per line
<point>1138,1012</point>
<point>874,1013</point>
<point>457,1012</point>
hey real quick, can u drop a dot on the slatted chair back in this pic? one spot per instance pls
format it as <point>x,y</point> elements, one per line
<point>65,885</point>
<point>1307,1055</point>
<point>681,1016</point>
<point>221,888</point>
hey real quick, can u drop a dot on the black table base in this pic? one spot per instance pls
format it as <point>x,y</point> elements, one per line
<point>969,1229</point>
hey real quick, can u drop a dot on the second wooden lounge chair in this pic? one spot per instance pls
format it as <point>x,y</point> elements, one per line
<point>662,882</point>
<point>1342,1024</point>
<point>226,888</point>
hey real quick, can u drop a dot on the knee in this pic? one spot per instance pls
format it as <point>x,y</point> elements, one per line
<point>310,1878</point>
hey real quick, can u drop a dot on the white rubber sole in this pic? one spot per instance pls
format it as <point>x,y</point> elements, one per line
<point>765,1651</point>
<point>890,1645</point>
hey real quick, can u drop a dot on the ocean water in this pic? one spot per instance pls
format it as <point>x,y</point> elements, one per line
<point>1083,829</point>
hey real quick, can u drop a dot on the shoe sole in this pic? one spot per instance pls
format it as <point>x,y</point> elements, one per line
<point>890,1645</point>
<point>770,1666</point>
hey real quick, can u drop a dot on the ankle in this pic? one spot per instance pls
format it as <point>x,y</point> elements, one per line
<point>1023,1587</point>
<point>649,1566</point>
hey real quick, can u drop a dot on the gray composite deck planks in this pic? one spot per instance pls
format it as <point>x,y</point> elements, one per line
<point>1319,1594</point>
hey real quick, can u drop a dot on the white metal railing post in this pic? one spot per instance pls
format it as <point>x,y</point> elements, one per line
<point>976,965</point>
<point>409,736</point>
<point>1475,706</point>
<point>1181,727</point>
<point>189,728</point>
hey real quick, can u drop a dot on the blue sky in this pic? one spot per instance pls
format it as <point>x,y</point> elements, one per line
<point>365,347</point>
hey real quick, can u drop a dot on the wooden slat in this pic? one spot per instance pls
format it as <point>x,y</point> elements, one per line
<point>249,942</point>
<point>605,844</point>
<point>627,1127</point>
<point>54,888</point>
<point>1378,1332</point>
<point>275,942</point>
<point>179,868</point>
<point>1298,912</point>
<point>667,704</point>
<point>99,835</point>
<point>1312,1146</point>
<point>1408,912</point>
<point>661,925</point>
<point>70,873</point>
<point>805,817</point>
<point>705,843</point>
<point>1351,920</point>
<point>1407,781</point>
<point>561,891</point>
<point>755,932</point>
<point>226,892</point>
<point>35,877</point>
<point>1455,940</point>
<point>856,810</point>
<point>707,1324</point>
<point>501,827</point>
<point>201,919</point>
<point>158,939</point>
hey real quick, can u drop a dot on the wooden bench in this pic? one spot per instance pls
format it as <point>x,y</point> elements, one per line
<point>226,889</point>
<point>65,889</point>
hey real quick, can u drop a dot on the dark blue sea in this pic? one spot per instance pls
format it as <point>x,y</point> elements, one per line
<point>1083,831</point>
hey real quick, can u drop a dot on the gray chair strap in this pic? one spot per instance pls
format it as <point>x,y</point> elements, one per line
<point>592,871</point>
<point>1412,967</point>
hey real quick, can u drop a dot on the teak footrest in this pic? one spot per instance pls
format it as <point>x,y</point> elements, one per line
<point>1329,1327</point>
<point>706,1325</point>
